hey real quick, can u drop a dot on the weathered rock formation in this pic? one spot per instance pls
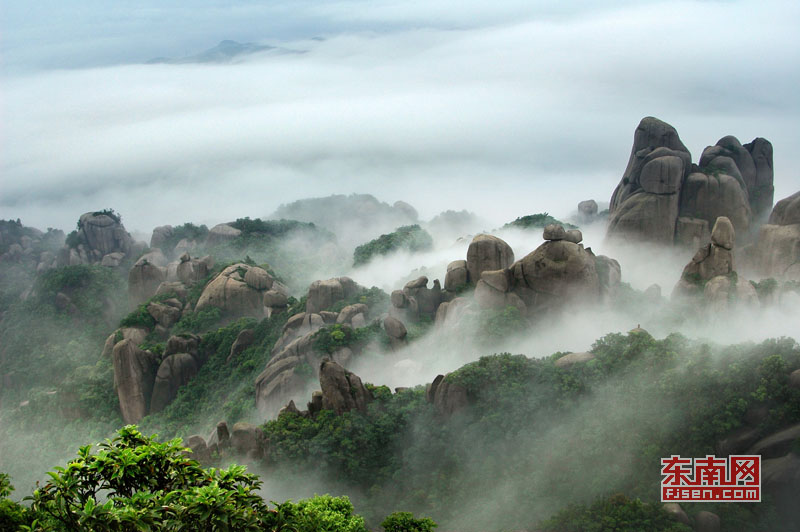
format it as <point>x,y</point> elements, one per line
<point>487,252</point>
<point>710,277</point>
<point>238,290</point>
<point>342,390</point>
<point>664,198</point>
<point>294,358</point>
<point>446,396</point>
<point>175,371</point>
<point>134,376</point>
<point>776,252</point>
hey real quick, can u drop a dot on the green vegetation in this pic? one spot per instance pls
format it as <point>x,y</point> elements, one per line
<point>408,237</point>
<point>544,428</point>
<point>198,321</point>
<point>134,482</point>
<point>406,522</point>
<point>537,221</point>
<point>13,516</point>
<point>376,299</point>
<point>334,337</point>
<point>188,231</point>
<point>221,390</point>
<point>618,513</point>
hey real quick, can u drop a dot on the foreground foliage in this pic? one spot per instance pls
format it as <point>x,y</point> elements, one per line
<point>134,483</point>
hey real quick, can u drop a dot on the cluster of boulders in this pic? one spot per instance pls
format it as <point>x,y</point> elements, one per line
<point>146,383</point>
<point>776,252</point>
<point>243,440</point>
<point>664,198</point>
<point>100,239</point>
<point>340,391</point>
<point>29,246</point>
<point>294,357</point>
<point>558,272</point>
<point>711,275</point>
<point>152,270</point>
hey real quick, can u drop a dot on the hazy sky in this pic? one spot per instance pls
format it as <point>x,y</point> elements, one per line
<point>503,108</point>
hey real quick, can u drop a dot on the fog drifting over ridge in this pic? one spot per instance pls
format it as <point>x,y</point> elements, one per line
<point>503,111</point>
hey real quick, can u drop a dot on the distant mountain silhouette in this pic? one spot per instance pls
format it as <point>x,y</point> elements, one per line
<point>224,52</point>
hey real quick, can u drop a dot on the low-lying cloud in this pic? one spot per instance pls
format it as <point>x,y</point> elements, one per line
<point>502,112</point>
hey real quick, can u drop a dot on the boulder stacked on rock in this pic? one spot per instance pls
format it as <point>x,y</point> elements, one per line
<point>243,290</point>
<point>487,252</point>
<point>776,253</point>
<point>664,198</point>
<point>711,275</point>
<point>100,239</point>
<point>558,272</point>
<point>416,300</point>
<point>340,391</point>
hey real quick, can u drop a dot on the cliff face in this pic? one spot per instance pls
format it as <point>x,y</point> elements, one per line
<point>664,198</point>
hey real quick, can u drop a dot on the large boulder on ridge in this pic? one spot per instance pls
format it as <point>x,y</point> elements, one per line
<point>230,292</point>
<point>103,233</point>
<point>342,390</point>
<point>555,273</point>
<point>323,294</point>
<point>487,252</point>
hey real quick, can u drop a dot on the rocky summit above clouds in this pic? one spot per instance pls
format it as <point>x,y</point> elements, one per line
<point>664,198</point>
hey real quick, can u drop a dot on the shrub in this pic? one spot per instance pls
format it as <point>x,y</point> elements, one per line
<point>134,482</point>
<point>13,516</point>
<point>406,522</point>
<point>618,513</point>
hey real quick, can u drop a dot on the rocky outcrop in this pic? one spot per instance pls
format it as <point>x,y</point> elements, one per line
<point>711,278</point>
<point>244,339</point>
<point>664,198</point>
<point>221,234</point>
<point>103,234</point>
<point>446,396</point>
<point>416,299</point>
<point>554,274</point>
<point>644,206</point>
<point>776,252</point>
<point>712,260</point>
<point>457,276</point>
<point>587,210</point>
<point>134,376</point>
<point>143,280</point>
<point>567,361</point>
<point>396,331</point>
<point>230,292</point>
<point>342,390</point>
<point>487,252</point>
<point>323,294</point>
<point>175,371</point>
